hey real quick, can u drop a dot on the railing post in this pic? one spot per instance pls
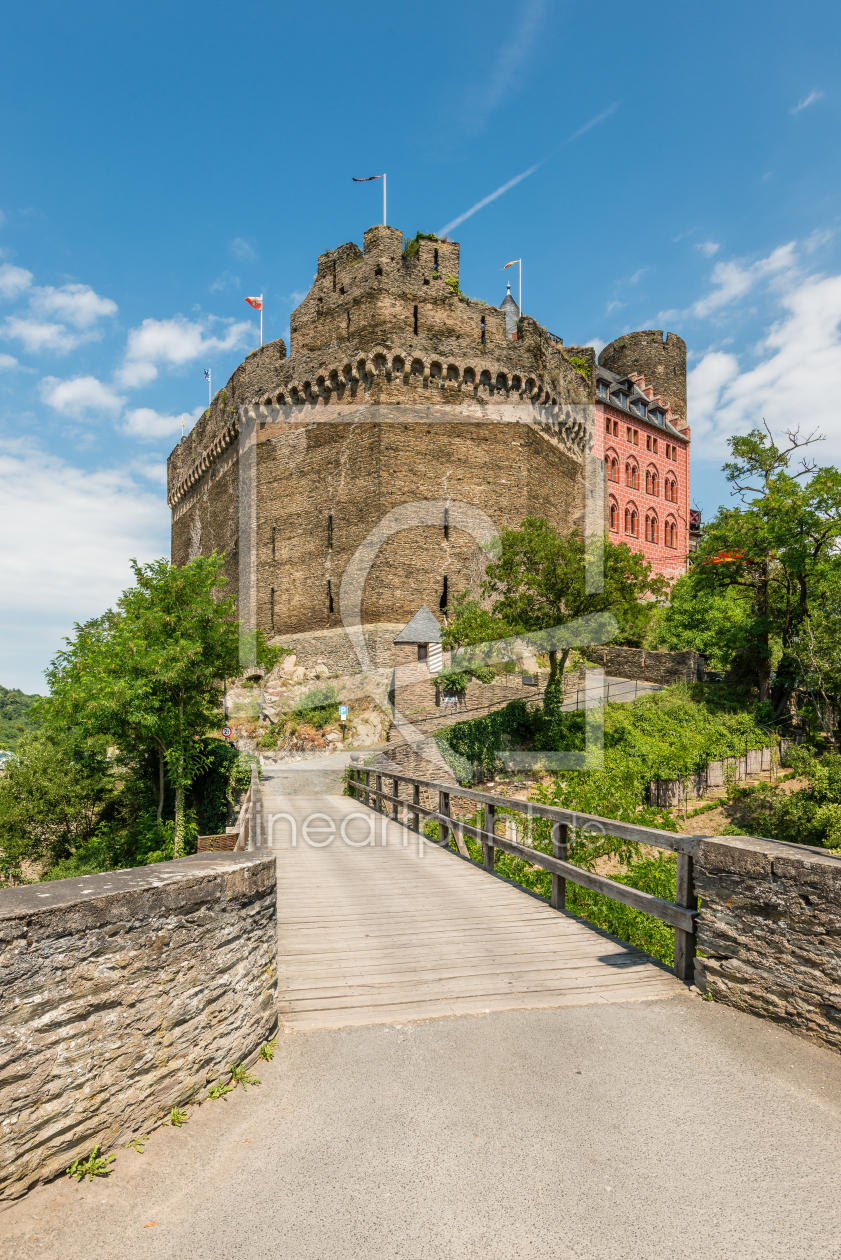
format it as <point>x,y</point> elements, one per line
<point>380,802</point>
<point>395,792</point>
<point>367,797</point>
<point>685,941</point>
<point>559,850</point>
<point>443,829</point>
<point>416,802</point>
<point>488,849</point>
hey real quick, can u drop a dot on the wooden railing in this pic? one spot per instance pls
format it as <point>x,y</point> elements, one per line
<point>681,913</point>
<point>250,821</point>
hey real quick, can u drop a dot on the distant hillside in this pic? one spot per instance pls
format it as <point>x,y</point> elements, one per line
<point>14,716</point>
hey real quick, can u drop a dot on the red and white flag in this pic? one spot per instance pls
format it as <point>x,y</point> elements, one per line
<point>256,302</point>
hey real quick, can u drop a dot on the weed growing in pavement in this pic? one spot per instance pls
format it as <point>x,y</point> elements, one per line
<point>219,1090</point>
<point>176,1118</point>
<point>137,1143</point>
<point>267,1050</point>
<point>240,1075</point>
<point>94,1166</point>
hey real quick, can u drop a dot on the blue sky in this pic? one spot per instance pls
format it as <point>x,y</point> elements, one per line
<point>160,162</point>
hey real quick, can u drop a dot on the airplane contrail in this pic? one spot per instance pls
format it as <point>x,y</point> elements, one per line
<point>576,135</point>
<point>487,200</point>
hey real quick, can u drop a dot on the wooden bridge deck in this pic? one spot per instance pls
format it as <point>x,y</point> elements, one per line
<point>394,932</point>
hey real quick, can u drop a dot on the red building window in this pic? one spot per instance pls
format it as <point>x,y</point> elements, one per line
<point>631,526</point>
<point>614,516</point>
<point>651,529</point>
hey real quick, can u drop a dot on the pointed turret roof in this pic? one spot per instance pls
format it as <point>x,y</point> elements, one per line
<point>423,628</point>
<point>512,313</point>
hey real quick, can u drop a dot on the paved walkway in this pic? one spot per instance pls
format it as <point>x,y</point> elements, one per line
<point>593,1128</point>
<point>400,929</point>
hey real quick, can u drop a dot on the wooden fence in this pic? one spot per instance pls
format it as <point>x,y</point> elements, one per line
<point>681,913</point>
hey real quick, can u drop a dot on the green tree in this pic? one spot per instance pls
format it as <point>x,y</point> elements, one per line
<point>52,797</point>
<point>148,676</point>
<point>539,582</point>
<point>711,622</point>
<point>778,551</point>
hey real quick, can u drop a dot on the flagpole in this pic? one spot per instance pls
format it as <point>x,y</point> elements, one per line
<point>521,287</point>
<point>209,386</point>
<point>385,220</point>
<point>261,319</point>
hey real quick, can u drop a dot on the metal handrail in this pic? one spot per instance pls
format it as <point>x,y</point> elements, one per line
<point>680,914</point>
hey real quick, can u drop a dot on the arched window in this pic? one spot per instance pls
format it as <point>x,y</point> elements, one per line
<point>655,483</point>
<point>648,481</point>
<point>614,516</point>
<point>627,520</point>
<point>634,529</point>
<point>651,529</point>
<point>632,476</point>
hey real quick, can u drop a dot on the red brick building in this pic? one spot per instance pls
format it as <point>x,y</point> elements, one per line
<point>645,448</point>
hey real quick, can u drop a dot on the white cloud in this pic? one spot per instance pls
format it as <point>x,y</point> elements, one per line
<point>68,535</point>
<point>242,249</point>
<point>708,248</point>
<point>37,336</point>
<point>174,342</point>
<point>733,280</point>
<point>820,236</point>
<point>806,102</point>
<point>225,281</point>
<point>152,470</point>
<point>81,396</point>
<point>7,362</point>
<point>503,77</point>
<point>796,381</point>
<point>13,281</point>
<point>149,425</point>
<point>78,304</point>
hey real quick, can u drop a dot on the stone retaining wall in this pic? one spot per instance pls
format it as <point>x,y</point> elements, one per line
<point>665,793</point>
<point>665,668</point>
<point>771,924</point>
<point>123,995</point>
<point>335,649</point>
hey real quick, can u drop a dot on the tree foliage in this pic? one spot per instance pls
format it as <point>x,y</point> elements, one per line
<point>148,676</point>
<point>777,553</point>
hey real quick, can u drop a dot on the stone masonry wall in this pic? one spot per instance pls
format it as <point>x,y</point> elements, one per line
<point>123,995</point>
<point>771,924</point>
<point>657,667</point>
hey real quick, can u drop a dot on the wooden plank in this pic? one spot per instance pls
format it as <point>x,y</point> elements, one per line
<point>685,941</point>
<point>559,850</point>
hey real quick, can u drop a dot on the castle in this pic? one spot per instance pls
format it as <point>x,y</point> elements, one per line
<point>403,396</point>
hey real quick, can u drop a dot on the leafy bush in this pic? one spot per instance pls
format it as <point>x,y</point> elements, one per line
<point>318,708</point>
<point>810,815</point>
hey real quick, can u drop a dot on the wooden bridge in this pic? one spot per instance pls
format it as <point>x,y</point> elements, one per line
<point>379,923</point>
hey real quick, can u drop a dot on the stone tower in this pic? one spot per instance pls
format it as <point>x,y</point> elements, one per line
<point>659,357</point>
<point>400,394</point>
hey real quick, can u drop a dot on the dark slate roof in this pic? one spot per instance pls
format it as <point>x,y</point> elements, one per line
<point>423,628</point>
<point>512,313</point>
<point>635,394</point>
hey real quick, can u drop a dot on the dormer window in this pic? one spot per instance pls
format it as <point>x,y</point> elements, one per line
<point>603,390</point>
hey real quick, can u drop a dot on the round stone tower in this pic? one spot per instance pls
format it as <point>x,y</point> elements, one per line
<point>659,357</point>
